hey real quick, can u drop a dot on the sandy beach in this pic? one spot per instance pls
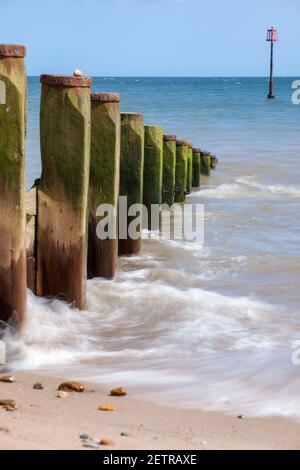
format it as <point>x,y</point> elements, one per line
<point>44,421</point>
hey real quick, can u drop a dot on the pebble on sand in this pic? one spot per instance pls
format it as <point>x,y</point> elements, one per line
<point>61,394</point>
<point>85,437</point>
<point>241,417</point>
<point>107,408</point>
<point>107,442</point>
<point>38,386</point>
<point>71,387</point>
<point>9,405</point>
<point>9,379</point>
<point>118,392</point>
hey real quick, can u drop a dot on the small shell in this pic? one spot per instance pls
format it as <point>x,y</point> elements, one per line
<point>107,408</point>
<point>78,73</point>
<point>107,442</point>
<point>61,394</point>
<point>9,379</point>
<point>8,405</point>
<point>118,392</point>
<point>71,387</point>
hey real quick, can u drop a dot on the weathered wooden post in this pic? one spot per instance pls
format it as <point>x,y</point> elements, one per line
<point>153,170</point>
<point>196,167</point>
<point>205,163</point>
<point>63,191</point>
<point>104,182</point>
<point>189,169</point>
<point>132,175</point>
<point>31,227</point>
<point>181,170</point>
<point>12,184</point>
<point>169,168</point>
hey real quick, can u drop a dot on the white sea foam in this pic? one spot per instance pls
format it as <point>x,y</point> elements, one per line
<point>293,191</point>
<point>227,190</point>
<point>244,186</point>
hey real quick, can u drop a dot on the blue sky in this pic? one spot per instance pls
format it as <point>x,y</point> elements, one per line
<point>153,37</point>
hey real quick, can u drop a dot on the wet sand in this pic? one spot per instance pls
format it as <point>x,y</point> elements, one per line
<point>44,421</point>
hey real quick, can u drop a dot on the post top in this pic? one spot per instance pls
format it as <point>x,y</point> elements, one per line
<point>132,116</point>
<point>170,138</point>
<point>187,144</point>
<point>12,50</point>
<point>105,97</point>
<point>196,150</point>
<point>154,126</point>
<point>67,81</point>
<point>206,154</point>
<point>182,143</point>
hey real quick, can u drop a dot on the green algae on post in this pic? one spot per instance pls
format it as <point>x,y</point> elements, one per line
<point>12,184</point>
<point>169,167</point>
<point>181,170</point>
<point>189,183</point>
<point>205,163</point>
<point>63,190</point>
<point>104,182</point>
<point>132,175</point>
<point>153,170</point>
<point>196,167</point>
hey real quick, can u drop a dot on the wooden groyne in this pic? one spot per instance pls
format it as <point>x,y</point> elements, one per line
<point>62,211</point>
<point>169,169</point>
<point>132,177</point>
<point>104,182</point>
<point>196,168</point>
<point>153,171</point>
<point>12,184</point>
<point>92,157</point>
<point>181,170</point>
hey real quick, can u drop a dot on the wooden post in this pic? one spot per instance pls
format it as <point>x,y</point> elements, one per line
<point>12,184</point>
<point>181,170</point>
<point>153,170</point>
<point>189,169</point>
<point>205,163</point>
<point>63,191</point>
<point>196,167</point>
<point>132,173</point>
<point>104,181</point>
<point>31,227</point>
<point>169,168</point>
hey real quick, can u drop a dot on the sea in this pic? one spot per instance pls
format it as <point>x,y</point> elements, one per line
<point>213,327</point>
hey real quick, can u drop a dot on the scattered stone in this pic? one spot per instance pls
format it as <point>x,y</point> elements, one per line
<point>85,437</point>
<point>61,394</point>
<point>203,443</point>
<point>118,392</point>
<point>38,386</point>
<point>107,442</point>
<point>124,434</point>
<point>71,387</point>
<point>91,446</point>
<point>9,379</point>
<point>107,408</point>
<point>5,430</point>
<point>241,417</point>
<point>9,405</point>
<point>78,73</point>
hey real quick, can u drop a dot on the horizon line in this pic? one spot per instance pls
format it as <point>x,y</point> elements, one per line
<point>178,76</point>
